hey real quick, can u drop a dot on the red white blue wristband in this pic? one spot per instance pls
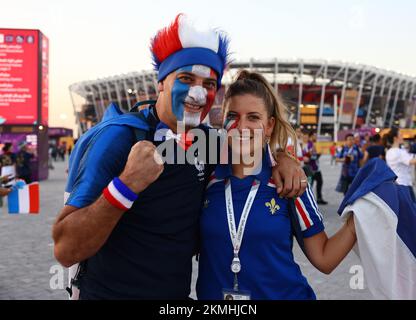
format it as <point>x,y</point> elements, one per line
<point>119,195</point>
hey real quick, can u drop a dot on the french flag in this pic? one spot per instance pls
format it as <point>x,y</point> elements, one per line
<point>385,223</point>
<point>24,199</point>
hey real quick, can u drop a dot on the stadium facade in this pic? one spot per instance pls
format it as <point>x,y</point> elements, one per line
<point>322,95</point>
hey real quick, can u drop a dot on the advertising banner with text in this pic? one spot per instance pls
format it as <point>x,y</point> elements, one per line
<point>19,76</point>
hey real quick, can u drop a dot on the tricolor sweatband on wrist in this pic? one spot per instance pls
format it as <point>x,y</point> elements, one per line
<point>119,195</point>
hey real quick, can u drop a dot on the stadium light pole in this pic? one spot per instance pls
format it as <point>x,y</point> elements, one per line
<point>412,100</point>
<point>395,103</point>
<point>155,82</point>
<point>101,98</point>
<point>97,114</point>
<point>126,93</point>
<point>344,87</point>
<point>136,87</point>
<point>71,93</point>
<point>360,93</point>
<point>370,105</point>
<point>146,91</point>
<point>335,118</point>
<point>118,93</point>
<point>386,107</point>
<point>321,107</point>
<point>107,85</point>
<point>406,88</point>
<point>300,90</point>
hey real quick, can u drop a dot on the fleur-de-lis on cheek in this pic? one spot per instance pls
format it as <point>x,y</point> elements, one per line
<point>272,205</point>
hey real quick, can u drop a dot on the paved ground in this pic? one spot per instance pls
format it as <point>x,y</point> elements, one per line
<point>28,269</point>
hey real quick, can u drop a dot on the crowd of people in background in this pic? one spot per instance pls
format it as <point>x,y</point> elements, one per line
<point>391,147</point>
<point>14,165</point>
<point>309,157</point>
<point>355,152</point>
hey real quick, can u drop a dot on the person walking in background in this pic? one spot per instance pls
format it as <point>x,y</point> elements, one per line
<point>8,158</point>
<point>54,152</point>
<point>400,160</point>
<point>23,158</point>
<point>333,153</point>
<point>314,165</point>
<point>350,157</point>
<point>299,152</point>
<point>375,149</point>
<point>357,140</point>
<point>306,156</point>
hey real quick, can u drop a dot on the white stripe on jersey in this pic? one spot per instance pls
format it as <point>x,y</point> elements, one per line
<point>311,199</point>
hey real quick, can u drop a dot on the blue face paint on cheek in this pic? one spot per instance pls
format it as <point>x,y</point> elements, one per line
<point>179,93</point>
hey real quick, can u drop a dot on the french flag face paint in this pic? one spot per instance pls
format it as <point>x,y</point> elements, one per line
<point>197,98</point>
<point>230,124</point>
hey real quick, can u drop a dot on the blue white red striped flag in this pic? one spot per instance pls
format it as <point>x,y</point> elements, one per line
<point>385,223</point>
<point>24,199</point>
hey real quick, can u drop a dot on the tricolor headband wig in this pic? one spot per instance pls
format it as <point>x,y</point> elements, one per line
<point>181,45</point>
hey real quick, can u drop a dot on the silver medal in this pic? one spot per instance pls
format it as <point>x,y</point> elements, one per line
<point>235,265</point>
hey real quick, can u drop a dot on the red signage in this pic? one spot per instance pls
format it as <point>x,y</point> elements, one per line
<point>19,76</point>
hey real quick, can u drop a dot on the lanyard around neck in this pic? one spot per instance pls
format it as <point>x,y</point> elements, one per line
<point>237,234</point>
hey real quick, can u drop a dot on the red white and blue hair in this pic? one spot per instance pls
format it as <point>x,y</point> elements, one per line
<point>180,44</point>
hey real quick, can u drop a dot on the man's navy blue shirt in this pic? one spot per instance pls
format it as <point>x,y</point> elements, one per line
<point>149,253</point>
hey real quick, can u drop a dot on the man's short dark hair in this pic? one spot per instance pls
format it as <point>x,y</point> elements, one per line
<point>349,135</point>
<point>376,138</point>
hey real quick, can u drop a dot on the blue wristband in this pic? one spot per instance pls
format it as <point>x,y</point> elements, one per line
<point>124,190</point>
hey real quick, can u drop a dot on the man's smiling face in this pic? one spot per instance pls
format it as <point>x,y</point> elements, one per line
<point>188,95</point>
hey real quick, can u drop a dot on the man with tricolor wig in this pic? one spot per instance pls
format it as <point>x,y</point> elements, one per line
<point>130,221</point>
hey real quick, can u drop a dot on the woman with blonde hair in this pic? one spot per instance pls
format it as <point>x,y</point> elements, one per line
<point>246,228</point>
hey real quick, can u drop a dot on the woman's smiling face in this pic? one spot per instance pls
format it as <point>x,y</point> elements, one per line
<point>245,117</point>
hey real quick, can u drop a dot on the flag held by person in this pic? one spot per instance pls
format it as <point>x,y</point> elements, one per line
<point>385,222</point>
<point>24,199</point>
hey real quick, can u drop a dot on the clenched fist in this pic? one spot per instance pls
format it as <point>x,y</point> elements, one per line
<point>143,166</point>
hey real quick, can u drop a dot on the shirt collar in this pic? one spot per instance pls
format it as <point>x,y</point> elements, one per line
<point>224,171</point>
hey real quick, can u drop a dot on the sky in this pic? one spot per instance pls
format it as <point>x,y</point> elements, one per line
<point>90,39</point>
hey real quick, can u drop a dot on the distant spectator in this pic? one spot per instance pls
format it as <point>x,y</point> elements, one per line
<point>54,152</point>
<point>412,148</point>
<point>375,149</point>
<point>333,152</point>
<point>357,140</point>
<point>314,165</point>
<point>23,158</point>
<point>350,156</point>
<point>62,151</point>
<point>366,142</point>
<point>399,160</point>
<point>8,158</point>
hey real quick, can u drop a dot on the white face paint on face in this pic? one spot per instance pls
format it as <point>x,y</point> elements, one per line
<point>193,94</point>
<point>192,119</point>
<point>197,95</point>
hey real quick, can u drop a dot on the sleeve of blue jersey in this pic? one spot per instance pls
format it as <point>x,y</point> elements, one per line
<point>312,208</point>
<point>103,160</point>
